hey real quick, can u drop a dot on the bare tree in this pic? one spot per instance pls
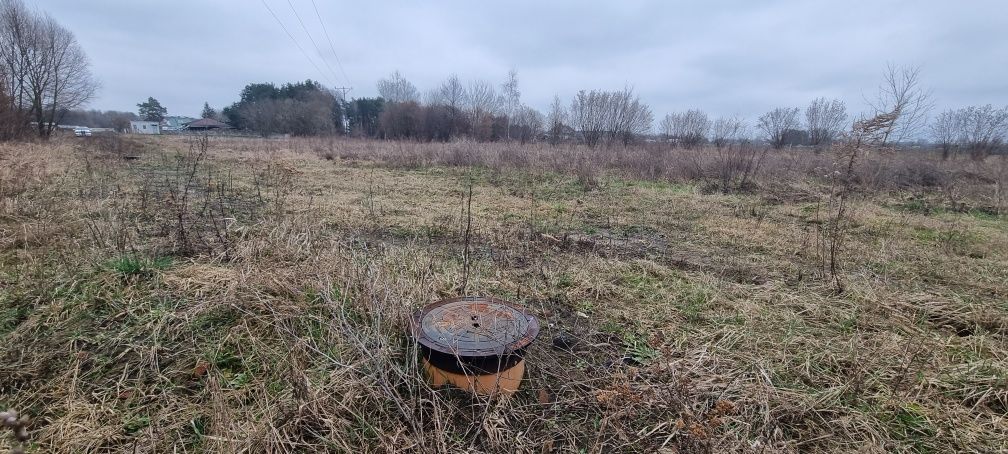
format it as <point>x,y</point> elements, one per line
<point>511,98</point>
<point>17,34</point>
<point>450,95</point>
<point>945,131</point>
<point>824,120</point>
<point>629,118</point>
<point>901,94</point>
<point>10,124</point>
<point>527,124</point>
<point>557,121</point>
<point>396,89</point>
<point>589,115</point>
<point>48,72</point>
<point>481,103</point>
<point>776,124</point>
<point>727,130</point>
<point>610,116</point>
<point>982,129</point>
<point>686,129</point>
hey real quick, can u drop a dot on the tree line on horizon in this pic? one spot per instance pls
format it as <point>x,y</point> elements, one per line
<point>45,81</point>
<point>482,111</point>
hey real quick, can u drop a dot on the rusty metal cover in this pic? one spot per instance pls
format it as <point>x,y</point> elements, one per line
<point>474,334</point>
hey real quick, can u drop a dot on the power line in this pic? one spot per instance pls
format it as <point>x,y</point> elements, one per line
<point>296,43</point>
<point>311,38</point>
<point>331,46</point>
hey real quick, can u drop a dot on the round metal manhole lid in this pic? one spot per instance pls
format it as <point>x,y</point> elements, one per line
<point>474,326</point>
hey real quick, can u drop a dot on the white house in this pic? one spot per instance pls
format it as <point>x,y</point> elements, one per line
<point>145,127</point>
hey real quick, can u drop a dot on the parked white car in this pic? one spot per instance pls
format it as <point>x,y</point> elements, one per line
<point>82,132</point>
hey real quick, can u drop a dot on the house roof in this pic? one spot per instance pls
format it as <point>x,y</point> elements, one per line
<point>206,123</point>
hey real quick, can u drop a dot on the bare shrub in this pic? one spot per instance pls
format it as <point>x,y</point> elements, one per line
<point>727,130</point>
<point>872,132</point>
<point>902,95</point>
<point>558,122</point>
<point>776,124</point>
<point>481,103</point>
<point>824,120</point>
<point>526,125</point>
<point>977,130</point>
<point>396,89</point>
<point>736,166</point>
<point>686,129</point>
<point>196,207</point>
<point>945,131</point>
<point>612,117</point>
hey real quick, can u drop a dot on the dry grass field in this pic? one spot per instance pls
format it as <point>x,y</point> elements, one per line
<point>255,297</point>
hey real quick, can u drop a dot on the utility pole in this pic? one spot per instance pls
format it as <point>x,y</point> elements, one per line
<point>343,97</point>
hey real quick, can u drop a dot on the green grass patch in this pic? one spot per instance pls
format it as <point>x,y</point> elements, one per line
<point>12,316</point>
<point>135,423</point>
<point>927,208</point>
<point>694,301</point>
<point>952,238</point>
<point>659,186</point>
<point>233,369</point>
<point>638,350</point>
<point>909,422</point>
<point>132,266</point>
<point>919,206</point>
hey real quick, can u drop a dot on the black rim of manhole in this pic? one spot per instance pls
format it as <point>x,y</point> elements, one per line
<point>474,334</point>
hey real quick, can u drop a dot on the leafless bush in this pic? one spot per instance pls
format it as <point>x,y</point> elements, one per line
<point>612,117</point>
<point>945,131</point>
<point>526,125</point>
<point>868,133</point>
<point>396,89</point>
<point>727,130</point>
<point>902,95</point>
<point>557,127</point>
<point>197,206</point>
<point>736,166</point>
<point>481,103</point>
<point>776,123</point>
<point>977,130</point>
<point>825,120</point>
<point>687,129</point>
<point>789,172</point>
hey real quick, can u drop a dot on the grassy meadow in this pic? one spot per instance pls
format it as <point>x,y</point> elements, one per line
<point>167,294</point>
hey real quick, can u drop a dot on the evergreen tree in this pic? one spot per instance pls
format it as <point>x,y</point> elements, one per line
<point>152,110</point>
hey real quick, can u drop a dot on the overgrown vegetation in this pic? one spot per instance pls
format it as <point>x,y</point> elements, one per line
<point>692,314</point>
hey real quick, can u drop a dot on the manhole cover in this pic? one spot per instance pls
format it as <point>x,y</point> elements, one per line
<point>474,334</point>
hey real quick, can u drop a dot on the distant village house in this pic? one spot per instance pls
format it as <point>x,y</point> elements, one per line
<point>205,124</point>
<point>145,127</point>
<point>175,123</point>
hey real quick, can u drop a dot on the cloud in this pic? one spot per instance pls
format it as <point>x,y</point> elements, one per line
<point>727,57</point>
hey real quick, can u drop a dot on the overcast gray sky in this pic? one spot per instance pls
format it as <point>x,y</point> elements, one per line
<point>727,57</point>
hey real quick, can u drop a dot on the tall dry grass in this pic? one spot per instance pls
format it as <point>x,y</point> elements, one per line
<point>691,323</point>
<point>739,167</point>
